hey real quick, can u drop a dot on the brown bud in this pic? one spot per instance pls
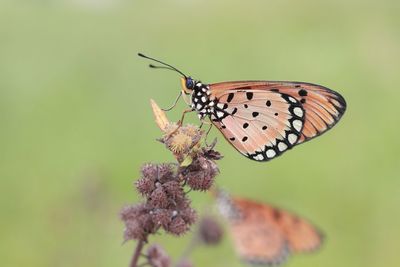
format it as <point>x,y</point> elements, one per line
<point>200,175</point>
<point>210,231</point>
<point>149,170</point>
<point>158,198</point>
<point>157,256</point>
<point>177,226</point>
<point>162,217</point>
<point>133,211</point>
<point>133,231</point>
<point>166,172</point>
<point>188,215</point>
<point>182,140</point>
<point>174,190</point>
<point>145,185</point>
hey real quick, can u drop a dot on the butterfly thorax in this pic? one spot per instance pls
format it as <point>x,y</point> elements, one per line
<point>202,102</point>
<point>205,103</point>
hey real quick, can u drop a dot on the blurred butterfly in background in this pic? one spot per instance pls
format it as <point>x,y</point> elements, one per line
<point>265,235</point>
<point>263,119</point>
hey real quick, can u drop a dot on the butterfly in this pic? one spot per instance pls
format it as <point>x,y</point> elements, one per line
<point>263,119</point>
<point>265,235</point>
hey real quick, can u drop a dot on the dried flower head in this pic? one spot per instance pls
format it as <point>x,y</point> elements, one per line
<point>210,231</point>
<point>182,140</point>
<point>138,228</point>
<point>201,173</point>
<point>191,130</point>
<point>174,190</point>
<point>138,221</point>
<point>170,129</point>
<point>145,185</point>
<point>166,172</point>
<point>189,215</point>
<point>147,223</point>
<point>158,198</point>
<point>180,143</point>
<point>157,256</point>
<point>166,205</point>
<point>149,170</point>
<point>133,230</point>
<point>177,226</point>
<point>133,211</point>
<point>162,217</point>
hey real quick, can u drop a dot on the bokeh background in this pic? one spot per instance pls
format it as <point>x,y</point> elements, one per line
<point>76,123</point>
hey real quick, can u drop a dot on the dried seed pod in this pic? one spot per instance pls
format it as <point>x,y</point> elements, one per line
<point>210,231</point>
<point>157,256</point>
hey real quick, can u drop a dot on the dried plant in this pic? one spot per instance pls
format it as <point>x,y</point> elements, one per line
<point>166,204</point>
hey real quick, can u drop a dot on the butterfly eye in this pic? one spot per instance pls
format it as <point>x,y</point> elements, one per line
<point>189,83</point>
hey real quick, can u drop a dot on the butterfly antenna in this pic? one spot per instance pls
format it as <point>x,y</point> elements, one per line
<point>166,66</point>
<point>160,67</point>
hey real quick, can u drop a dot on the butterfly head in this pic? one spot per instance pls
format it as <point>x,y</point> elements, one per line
<point>188,84</point>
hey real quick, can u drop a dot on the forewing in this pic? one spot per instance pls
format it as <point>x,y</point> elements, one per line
<point>260,124</point>
<point>323,107</point>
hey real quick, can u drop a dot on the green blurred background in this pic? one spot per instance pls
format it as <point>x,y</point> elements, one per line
<point>76,123</point>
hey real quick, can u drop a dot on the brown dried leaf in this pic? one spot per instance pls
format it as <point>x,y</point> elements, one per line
<point>159,115</point>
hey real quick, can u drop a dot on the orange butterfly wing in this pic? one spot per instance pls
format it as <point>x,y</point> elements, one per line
<point>323,107</point>
<point>266,235</point>
<point>260,124</point>
<point>259,243</point>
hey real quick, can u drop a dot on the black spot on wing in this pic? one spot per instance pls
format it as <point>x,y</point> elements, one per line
<point>303,92</point>
<point>230,97</point>
<point>276,214</point>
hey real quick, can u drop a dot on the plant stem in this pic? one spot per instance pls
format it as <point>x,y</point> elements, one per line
<point>136,254</point>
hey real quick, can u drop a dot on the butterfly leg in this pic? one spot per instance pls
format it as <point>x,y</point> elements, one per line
<point>180,122</point>
<point>203,121</point>
<point>208,131</point>
<point>174,104</point>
